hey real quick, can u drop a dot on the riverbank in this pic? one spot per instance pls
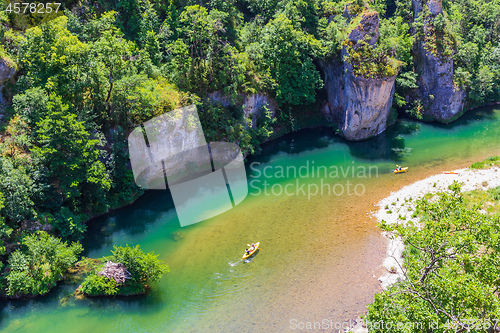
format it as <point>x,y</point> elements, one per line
<point>399,207</point>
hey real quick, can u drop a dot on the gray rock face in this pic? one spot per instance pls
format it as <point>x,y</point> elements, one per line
<point>367,29</point>
<point>334,85</point>
<point>367,108</point>
<point>6,72</point>
<point>360,106</point>
<point>435,6</point>
<point>252,104</point>
<point>442,101</point>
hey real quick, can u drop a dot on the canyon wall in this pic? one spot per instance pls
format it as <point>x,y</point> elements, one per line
<point>441,99</point>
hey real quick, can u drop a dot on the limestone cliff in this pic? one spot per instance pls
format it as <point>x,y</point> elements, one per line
<point>359,105</point>
<point>442,100</point>
<point>253,104</point>
<point>368,103</point>
<point>6,72</point>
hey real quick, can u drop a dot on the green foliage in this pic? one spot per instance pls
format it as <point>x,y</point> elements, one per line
<point>40,263</point>
<point>333,33</point>
<point>478,52</point>
<point>144,269</point>
<point>5,232</point>
<point>93,29</point>
<point>17,188</point>
<point>285,53</point>
<point>371,62</point>
<point>450,265</point>
<point>487,163</point>
<point>97,285</point>
<point>392,51</point>
<point>53,58</point>
<point>266,8</point>
<point>32,105</point>
<point>143,98</point>
<point>69,225</point>
<point>395,39</point>
<point>225,124</point>
<point>70,153</point>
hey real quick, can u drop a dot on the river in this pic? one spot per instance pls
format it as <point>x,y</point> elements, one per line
<point>309,203</point>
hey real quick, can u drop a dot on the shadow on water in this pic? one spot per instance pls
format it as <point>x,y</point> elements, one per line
<point>61,298</point>
<point>472,116</point>
<point>389,145</point>
<point>296,143</point>
<point>133,219</point>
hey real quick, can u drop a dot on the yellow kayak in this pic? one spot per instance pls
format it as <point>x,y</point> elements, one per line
<point>248,255</point>
<point>400,171</point>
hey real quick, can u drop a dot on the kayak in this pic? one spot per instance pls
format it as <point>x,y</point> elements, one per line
<point>248,255</point>
<point>450,173</point>
<point>400,171</point>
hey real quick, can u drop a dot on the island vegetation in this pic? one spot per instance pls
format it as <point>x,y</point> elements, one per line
<point>87,75</point>
<point>128,271</point>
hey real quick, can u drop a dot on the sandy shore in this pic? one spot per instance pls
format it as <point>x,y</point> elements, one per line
<point>398,207</point>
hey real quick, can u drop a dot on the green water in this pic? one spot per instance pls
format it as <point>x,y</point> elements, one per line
<point>320,253</point>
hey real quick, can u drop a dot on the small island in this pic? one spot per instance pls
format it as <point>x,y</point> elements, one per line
<point>128,271</point>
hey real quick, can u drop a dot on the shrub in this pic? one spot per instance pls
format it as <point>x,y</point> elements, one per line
<point>95,285</point>
<point>40,263</point>
<point>144,269</point>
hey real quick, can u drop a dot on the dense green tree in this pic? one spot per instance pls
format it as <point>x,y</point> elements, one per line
<point>55,60</point>
<point>285,54</point>
<point>478,39</point>
<point>17,187</point>
<point>5,230</point>
<point>39,264</point>
<point>143,269</point>
<point>450,268</point>
<point>72,155</point>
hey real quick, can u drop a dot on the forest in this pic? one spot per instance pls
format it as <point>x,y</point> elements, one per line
<point>90,73</point>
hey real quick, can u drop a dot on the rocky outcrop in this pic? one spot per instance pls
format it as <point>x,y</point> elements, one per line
<point>333,72</point>
<point>366,30</point>
<point>7,71</point>
<point>442,100</point>
<point>435,6</point>
<point>359,105</point>
<point>253,104</point>
<point>368,104</point>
